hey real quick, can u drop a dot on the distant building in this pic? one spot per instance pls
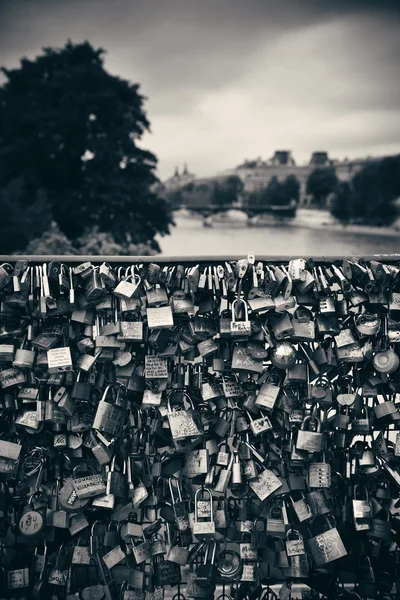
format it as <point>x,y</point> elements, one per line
<point>178,180</point>
<point>320,159</point>
<point>257,173</point>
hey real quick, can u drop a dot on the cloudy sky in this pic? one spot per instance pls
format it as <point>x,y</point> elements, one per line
<point>233,79</point>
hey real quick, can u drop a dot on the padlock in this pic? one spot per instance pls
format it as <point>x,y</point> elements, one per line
<point>384,411</point>
<point>182,422</point>
<point>166,572</point>
<point>206,573</point>
<point>381,528</point>
<point>117,481</point>
<point>249,470</point>
<point>367,458</point>
<point>229,565</point>
<point>224,477</point>
<point>176,553</point>
<point>361,425</point>
<point>33,520</point>
<point>196,463</point>
<point>300,506</point>
<point>294,543</point>
<point>58,575</point>
<point>109,417</point>
<point>299,567</point>
<point>24,356</point>
<point>81,390</point>
<point>275,522</point>
<point>260,425</point>
<point>180,513</point>
<point>236,479</point>
<point>223,456</point>
<point>90,485</point>
<point>284,355</point>
<point>268,394</point>
<point>140,549</point>
<point>220,517</point>
<point>319,474</point>
<point>240,328</point>
<point>281,557</point>
<point>366,585</point>
<point>319,502</point>
<point>80,554</point>
<point>303,325</point>
<point>130,528</point>
<point>362,510</point>
<point>60,517</point>
<point>128,286</point>
<point>157,545</point>
<point>203,529</point>
<point>326,545</point>
<point>309,441</point>
<point>342,418</point>
<point>281,325</point>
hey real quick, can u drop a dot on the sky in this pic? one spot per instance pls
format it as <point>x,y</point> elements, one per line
<point>228,80</point>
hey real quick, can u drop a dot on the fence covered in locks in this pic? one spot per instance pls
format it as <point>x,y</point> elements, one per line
<point>199,428</point>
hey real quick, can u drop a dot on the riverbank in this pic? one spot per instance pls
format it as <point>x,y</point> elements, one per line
<point>305,218</point>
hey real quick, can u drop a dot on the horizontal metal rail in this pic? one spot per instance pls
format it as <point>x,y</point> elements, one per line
<point>186,260</point>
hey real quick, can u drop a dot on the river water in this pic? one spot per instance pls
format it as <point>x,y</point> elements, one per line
<point>191,238</point>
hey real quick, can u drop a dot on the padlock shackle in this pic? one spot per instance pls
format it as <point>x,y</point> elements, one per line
<point>171,489</point>
<point>293,531</point>
<point>85,466</point>
<point>357,487</point>
<point>174,392</point>
<point>246,312</point>
<point>309,419</point>
<point>108,388</point>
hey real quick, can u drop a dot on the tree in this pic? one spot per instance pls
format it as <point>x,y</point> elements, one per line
<point>21,220</point>
<point>321,183</point>
<point>227,191</point>
<point>291,187</point>
<point>70,130</point>
<point>276,193</point>
<point>369,197</point>
<point>341,202</point>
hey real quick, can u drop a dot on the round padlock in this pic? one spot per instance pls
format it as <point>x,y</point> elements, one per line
<point>229,565</point>
<point>284,355</point>
<point>32,520</point>
<point>386,361</point>
<point>74,441</point>
<point>367,323</point>
<point>122,358</point>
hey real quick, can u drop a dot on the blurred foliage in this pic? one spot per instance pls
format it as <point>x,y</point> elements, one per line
<point>224,191</point>
<point>94,242</point>
<point>276,193</point>
<point>320,184</point>
<point>227,191</point>
<point>68,138</point>
<point>369,197</point>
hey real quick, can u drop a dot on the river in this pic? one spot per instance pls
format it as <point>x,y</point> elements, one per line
<point>191,238</point>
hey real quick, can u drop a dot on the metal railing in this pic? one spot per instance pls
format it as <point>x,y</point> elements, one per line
<point>75,259</point>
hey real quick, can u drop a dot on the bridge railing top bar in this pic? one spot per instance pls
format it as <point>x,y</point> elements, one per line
<point>188,260</point>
